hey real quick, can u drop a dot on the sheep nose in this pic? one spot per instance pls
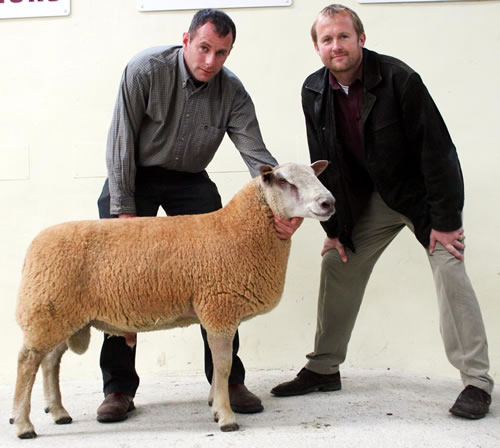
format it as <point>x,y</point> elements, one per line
<point>327,204</point>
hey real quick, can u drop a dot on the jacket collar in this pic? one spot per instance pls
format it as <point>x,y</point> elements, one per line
<point>371,69</point>
<point>318,80</point>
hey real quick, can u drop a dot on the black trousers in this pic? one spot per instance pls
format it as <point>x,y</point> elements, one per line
<point>178,194</point>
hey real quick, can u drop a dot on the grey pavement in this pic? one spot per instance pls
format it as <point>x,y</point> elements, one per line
<point>376,408</point>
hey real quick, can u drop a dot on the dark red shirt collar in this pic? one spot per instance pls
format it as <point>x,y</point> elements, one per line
<point>358,77</point>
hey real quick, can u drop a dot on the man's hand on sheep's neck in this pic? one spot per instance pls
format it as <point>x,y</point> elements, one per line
<point>285,228</point>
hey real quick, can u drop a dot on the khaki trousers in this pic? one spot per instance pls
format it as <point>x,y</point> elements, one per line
<point>342,287</point>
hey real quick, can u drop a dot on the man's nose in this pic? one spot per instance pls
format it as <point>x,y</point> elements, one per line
<point>210,59</point>
<point>336,44</point>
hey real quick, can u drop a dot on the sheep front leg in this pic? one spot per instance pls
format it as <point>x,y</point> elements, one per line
<point>51,390</point>
<point>221,347</point>
<point>27,366</point>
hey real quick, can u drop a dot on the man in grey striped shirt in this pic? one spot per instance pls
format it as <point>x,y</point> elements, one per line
<point>174,106</point>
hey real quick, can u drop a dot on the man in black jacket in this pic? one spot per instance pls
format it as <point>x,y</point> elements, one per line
<point>393,164</point>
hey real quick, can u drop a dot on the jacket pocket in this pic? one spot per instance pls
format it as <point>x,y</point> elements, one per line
<point>389,136</point>
<point>385,123</point>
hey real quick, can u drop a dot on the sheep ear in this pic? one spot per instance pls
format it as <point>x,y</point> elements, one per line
<point>266,171</point>
<point>319,166</point>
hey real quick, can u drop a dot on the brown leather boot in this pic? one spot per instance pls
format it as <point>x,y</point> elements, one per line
<point>242,400</point>
<point>115,408</point>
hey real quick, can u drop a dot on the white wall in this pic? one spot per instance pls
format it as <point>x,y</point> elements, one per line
<point>58,83</point>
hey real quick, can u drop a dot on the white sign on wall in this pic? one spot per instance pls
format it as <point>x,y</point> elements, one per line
<point>405,1</point>
<point>11,9</point>
<point>165,5</point>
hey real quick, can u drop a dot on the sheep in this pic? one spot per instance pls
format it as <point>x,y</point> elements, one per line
<point>145,274</point>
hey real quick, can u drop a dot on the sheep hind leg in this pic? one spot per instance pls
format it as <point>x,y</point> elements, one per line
<point>28,363</point>
<point>221,348</point>
<point>51,390</point>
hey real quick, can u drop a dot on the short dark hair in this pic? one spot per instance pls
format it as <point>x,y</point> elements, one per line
<point>331,11</point>
<point>222,22</point>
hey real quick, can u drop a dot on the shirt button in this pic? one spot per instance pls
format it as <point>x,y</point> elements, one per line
<point>187,115</point>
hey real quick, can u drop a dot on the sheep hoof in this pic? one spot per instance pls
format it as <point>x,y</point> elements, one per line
<point>11,421</point>
<point>27,435</point>
<point>64,420</point>
<point>230,427</point>
<point>46,410</point>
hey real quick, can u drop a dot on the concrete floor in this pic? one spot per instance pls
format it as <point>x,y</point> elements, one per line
<point>376,408</point>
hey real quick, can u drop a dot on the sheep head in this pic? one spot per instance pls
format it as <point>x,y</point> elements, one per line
<point>293,190</point>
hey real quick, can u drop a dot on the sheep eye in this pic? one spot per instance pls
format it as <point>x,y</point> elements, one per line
<point>282,181</point>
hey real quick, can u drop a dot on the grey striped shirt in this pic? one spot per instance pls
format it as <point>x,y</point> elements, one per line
<point>162,119</point>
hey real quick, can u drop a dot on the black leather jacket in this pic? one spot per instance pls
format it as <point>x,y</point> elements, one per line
<point>410,157</point>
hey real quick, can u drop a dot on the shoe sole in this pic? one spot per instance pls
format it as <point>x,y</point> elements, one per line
<point>247,410</point>
<point>467,415</point>
<point>322,388</point>
<point>113,418</point>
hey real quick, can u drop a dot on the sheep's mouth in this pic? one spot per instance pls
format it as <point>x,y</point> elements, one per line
<point>324,215</point>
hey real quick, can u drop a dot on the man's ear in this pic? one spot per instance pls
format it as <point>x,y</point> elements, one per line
<point>185,39</point>
<point>266,171</point>
<point>362,40</point>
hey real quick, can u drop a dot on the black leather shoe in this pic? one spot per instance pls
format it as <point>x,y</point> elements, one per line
<point>307,381</point>
<point>473,403</point>
<point>115,408</point>
<point>242,400</point>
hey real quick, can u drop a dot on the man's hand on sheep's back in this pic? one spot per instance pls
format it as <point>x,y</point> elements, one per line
<point>285,228</point>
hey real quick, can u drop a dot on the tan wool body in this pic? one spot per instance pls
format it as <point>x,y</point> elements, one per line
<point>125,276</point>
<point>145,274</point>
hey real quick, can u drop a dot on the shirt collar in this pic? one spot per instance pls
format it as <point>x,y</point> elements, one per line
<point>334,84</point>
<point>185,76</point>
